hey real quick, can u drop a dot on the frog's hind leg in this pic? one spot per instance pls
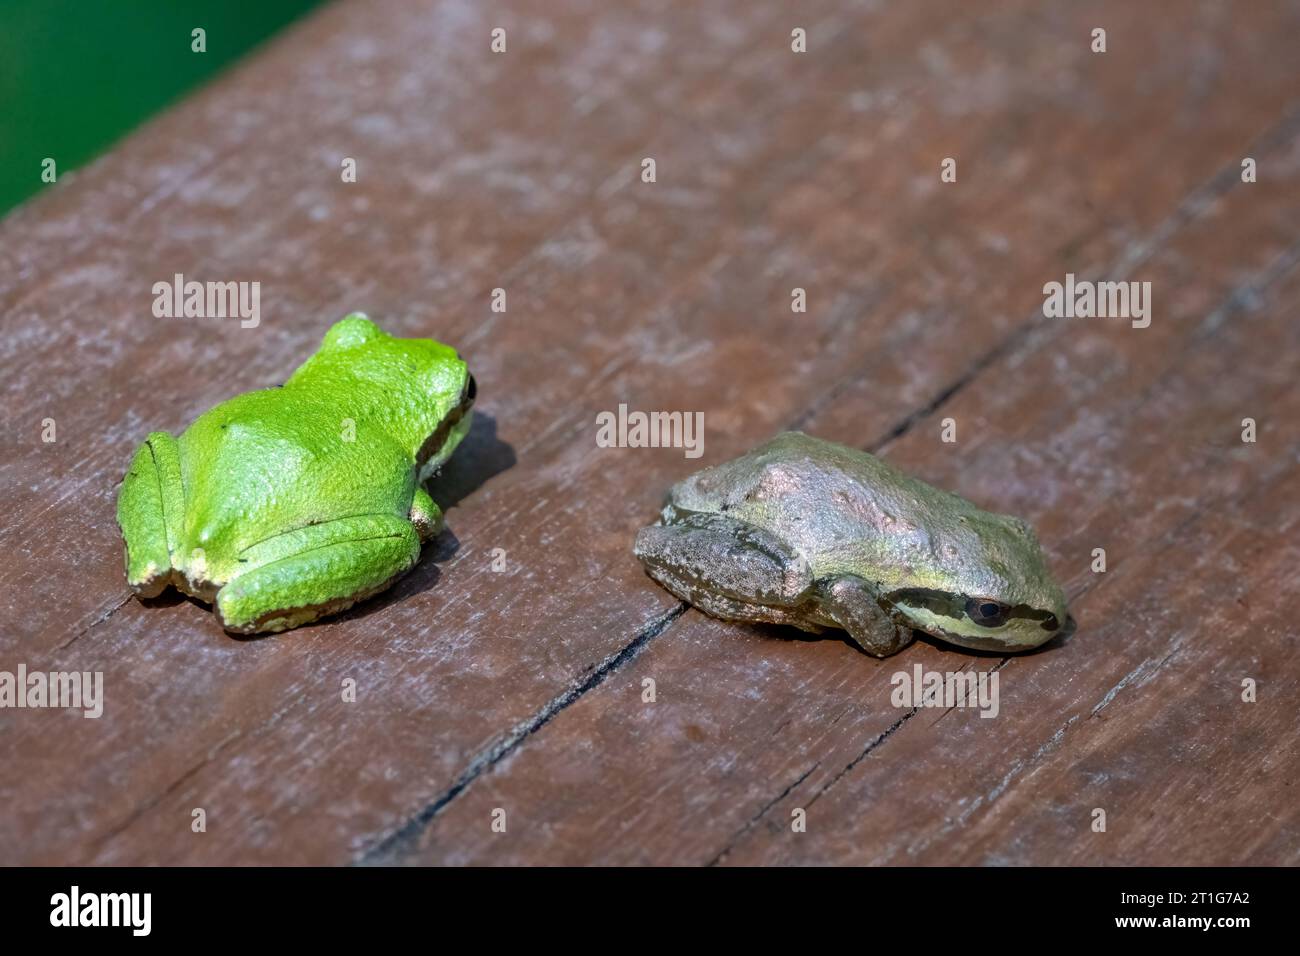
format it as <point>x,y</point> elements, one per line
<point>150,511</point>
<point>849,602</point>
<point>729,609</point>
<point>725,567</point>
<point>299,576</point>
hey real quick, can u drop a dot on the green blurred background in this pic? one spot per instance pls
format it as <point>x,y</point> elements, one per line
<point>75,75</point>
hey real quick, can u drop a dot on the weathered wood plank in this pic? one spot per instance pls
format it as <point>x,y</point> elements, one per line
<point>1150,395</point>
<point>480,689</point>
<point>683,764</point>
<point>1140,713</point>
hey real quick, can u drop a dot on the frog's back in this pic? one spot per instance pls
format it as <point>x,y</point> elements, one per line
<point>842,508</point>
<point>273,460</point>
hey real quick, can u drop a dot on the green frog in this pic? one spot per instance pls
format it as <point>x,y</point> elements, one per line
<point>286,504</point>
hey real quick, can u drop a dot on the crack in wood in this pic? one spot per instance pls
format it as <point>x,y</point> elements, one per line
<point>98,843</point>
<point>1188,209</point>
<point>1140,674</point>
<point>760,814</point>
<point>992,670</point>
<point>398,843</point>
<point>885,735</point>
<point>1246,294</point>
<point>95,623</point>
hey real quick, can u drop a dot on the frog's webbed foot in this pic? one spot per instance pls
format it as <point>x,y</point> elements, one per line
<point>849,602</point>
<point>299,576</point>
<point>725,567</point>
<point>150,510</point>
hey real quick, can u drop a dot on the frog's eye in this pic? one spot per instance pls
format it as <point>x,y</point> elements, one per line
<point>986,612</point>
<point>471,391</point>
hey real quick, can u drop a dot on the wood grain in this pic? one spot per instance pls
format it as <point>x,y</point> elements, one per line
<point>522,689</point>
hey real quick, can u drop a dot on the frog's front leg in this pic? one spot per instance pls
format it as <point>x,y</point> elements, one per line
<point>726,567</point>
<point>150,511</point>
<point>425,515</point>
<point>849,602</point>
<point>301,575</point>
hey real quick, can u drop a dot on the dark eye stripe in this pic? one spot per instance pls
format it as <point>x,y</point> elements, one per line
<point>983,611</point>
<point>986,612</point>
